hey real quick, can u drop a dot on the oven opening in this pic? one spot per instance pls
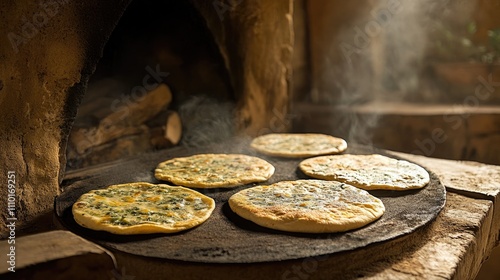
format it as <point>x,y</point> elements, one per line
<point>161,82</point>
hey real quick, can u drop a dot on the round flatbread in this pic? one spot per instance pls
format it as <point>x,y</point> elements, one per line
<point>369,172</point>
<point>214,170</point>
<point>298,145</point>
<point>140,208</point>
<point>310,206</point>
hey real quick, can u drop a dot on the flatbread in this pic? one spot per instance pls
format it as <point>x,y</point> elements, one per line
<point>309,206</point>
<point>296,145</point>
<point>142,208</point>
<point>214,170</point>
<point>369,172</point>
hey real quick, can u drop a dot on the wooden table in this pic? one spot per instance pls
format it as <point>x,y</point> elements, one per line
<point>452,247</point>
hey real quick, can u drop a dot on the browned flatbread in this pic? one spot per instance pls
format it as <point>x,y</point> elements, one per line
<point>214,170</point>
<point>142,208</point>
<point>369,172</point>
<point>311,206</point>
<point>297,145</point>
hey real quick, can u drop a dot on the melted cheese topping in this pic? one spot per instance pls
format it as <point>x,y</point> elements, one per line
<point>214,170</point>
<point>307,206</point>
<point>298,145</point>
<point>367,171</point>
<point>130,205</point>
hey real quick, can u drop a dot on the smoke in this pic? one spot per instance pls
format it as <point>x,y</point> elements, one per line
<point>205,121</point>
<point>382,61</point>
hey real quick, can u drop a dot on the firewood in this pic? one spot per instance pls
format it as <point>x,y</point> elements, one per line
<point>158,140</point>
<point>93,141</point>
<point>140,111</point>
<point>124,121</point>
<point>84,139</point>
<point>173,128</point>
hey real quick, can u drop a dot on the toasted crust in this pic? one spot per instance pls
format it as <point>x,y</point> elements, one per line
<point>369,172</point>
<point>142,208</point>
<point>310,206</point>
<point>298,145</point>
<point>214,170</point>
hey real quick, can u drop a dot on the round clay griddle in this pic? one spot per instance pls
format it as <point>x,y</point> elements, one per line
<point>227,238</point>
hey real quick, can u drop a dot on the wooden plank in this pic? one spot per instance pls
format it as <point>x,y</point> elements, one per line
<point>60,253</point>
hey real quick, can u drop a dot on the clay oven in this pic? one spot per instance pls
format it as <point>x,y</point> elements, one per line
<point>85,84</point>
<point>52,48</point>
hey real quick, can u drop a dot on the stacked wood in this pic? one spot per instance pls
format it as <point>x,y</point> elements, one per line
<point>105,132</point>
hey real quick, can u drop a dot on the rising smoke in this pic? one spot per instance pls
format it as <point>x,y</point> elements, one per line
<point>206,121</point>
<point>383,55</point>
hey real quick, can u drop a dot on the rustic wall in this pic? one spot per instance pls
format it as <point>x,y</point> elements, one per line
<point>256,42</point>
<point>49,49</point>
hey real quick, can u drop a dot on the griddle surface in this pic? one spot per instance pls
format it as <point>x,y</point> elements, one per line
<point>227,238</point>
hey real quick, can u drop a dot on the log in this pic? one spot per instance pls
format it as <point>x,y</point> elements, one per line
<point>169,134</point>
<point>173,128</point>
<point>83,140</point>
<point>125,120</point>
<point>117,148</point>
<point>111,134</point>
<point>143,109</point>
<point>157,138</point>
